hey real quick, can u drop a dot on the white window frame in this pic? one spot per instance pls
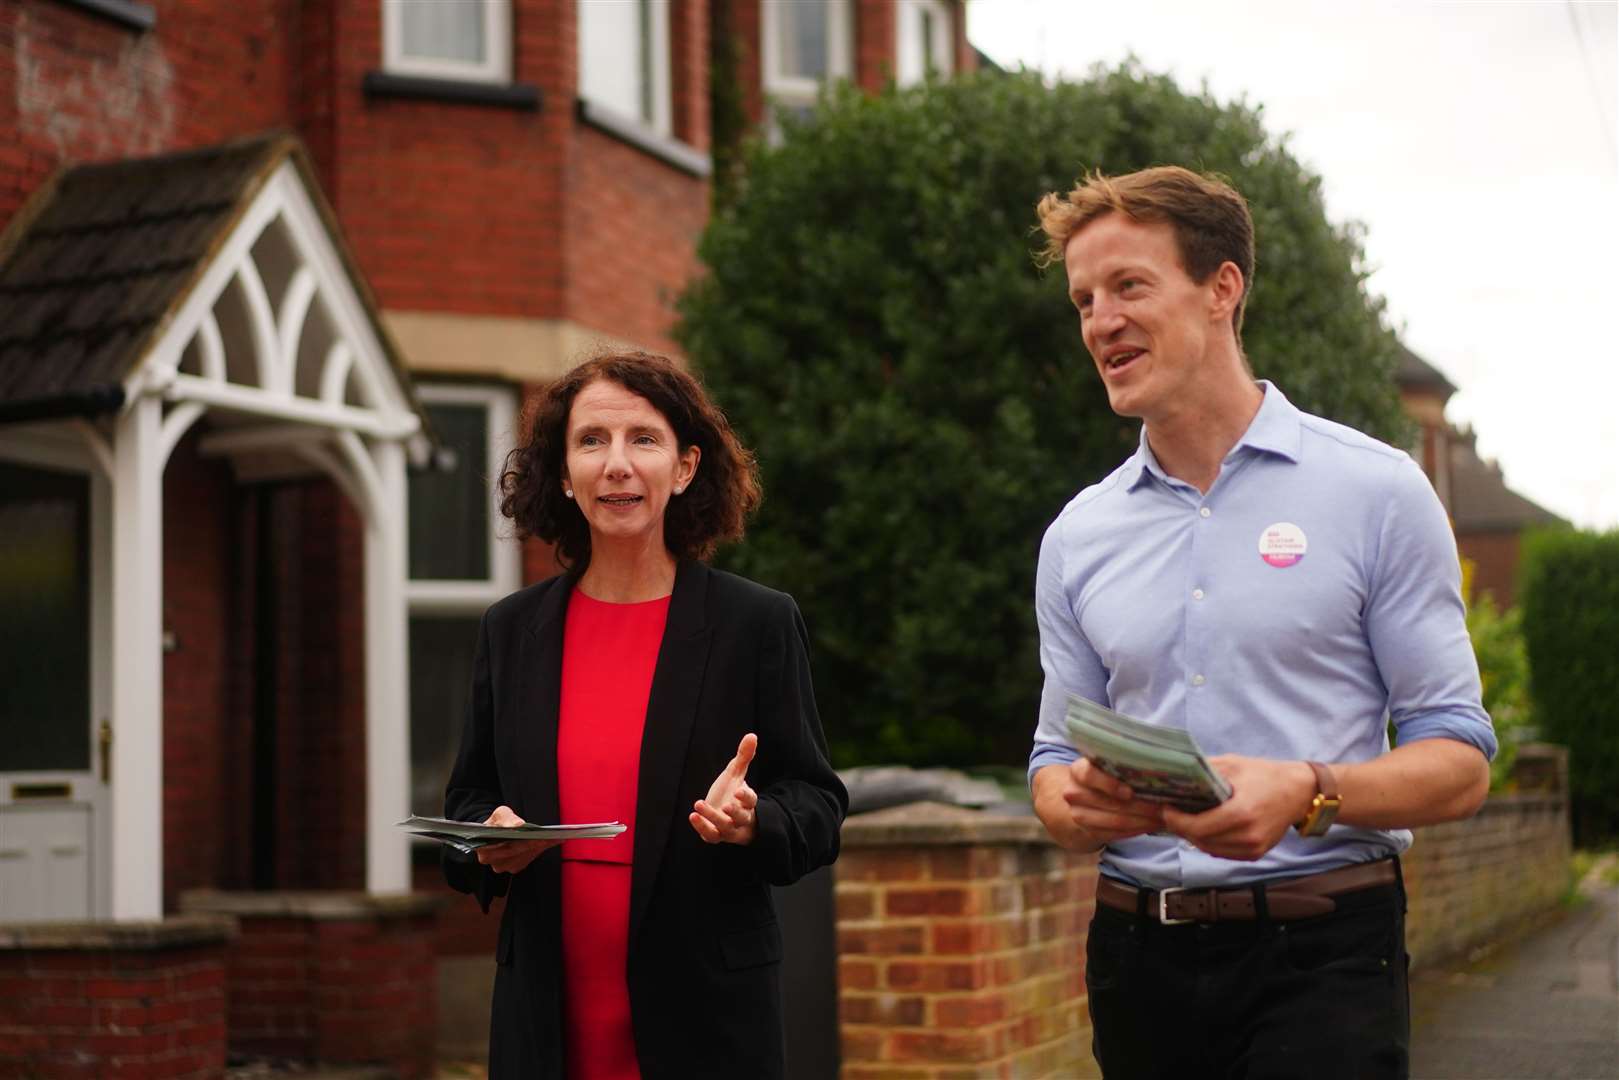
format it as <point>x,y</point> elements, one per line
<point>909,66</point>
<point>428,597</point>
<point>496,66</point>
<point>656,67</point>
<point>795,90</point>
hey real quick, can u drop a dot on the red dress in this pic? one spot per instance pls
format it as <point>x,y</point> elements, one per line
<point>609,652</point>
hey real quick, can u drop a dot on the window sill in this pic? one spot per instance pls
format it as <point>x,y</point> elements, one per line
<point>124,12</point>
<point>681,155</point>
<point>384,84</point>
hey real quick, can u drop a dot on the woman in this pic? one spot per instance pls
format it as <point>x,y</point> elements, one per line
<point>644,687</point>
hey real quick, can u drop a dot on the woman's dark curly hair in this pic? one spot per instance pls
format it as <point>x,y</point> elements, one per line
<point>712,511</point>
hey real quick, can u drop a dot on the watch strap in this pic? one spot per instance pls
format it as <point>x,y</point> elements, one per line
<point>1325,782</point>
<point>1324,807</point>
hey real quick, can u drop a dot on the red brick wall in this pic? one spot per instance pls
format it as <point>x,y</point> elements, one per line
<point>149,1013</point>
<point>1495,563</point>
<point>320,813</point>
<point>633,225</point>
<point>747,30</point>
<point>447,206</point>
<point>1469,881</point>
<point>875,35</point>
<point>197,601</point>
<point>77,87</point>
<point>688,71</point>
<point>957,947</point>
<point>462,928</point>
<point>966,58</point>
<point>336,978</point>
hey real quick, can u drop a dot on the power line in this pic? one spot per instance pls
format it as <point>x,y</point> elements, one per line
<point>1596,89</point>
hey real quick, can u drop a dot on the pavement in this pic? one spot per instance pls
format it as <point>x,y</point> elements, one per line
<point>1541,1005</point>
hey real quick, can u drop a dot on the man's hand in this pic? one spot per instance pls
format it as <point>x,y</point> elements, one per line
<point>1267,797</point>
<point>513,855</point>
<point>727,815</point>
<point>1083,808</point>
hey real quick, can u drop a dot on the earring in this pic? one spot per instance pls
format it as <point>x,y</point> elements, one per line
<point>678,489</point>
<point>568,492</point>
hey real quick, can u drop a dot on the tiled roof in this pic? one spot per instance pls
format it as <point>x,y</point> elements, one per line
<point>99,257</point>
<point>1416,373</point>
<point>1480,500</point>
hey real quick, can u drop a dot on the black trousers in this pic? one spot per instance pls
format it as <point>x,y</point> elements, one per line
<point>1321,997</point>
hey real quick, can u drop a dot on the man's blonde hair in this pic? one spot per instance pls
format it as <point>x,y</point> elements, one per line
<point>1209,217</point>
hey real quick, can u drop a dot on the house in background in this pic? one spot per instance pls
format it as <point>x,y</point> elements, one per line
<point>1489,517</point>
<point>276,277</point>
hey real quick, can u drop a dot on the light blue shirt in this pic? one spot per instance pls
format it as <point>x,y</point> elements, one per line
<point>1310,596</point>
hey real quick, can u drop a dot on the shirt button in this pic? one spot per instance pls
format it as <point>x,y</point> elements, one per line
<point>1203,511</point>
<point>1197,594</point>
<point>1197,680</point>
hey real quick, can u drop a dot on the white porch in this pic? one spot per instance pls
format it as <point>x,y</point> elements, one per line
<point>273,347</point>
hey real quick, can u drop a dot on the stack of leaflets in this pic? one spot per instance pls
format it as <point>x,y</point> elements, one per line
<point>469,836</point>
<point>1160,764</point>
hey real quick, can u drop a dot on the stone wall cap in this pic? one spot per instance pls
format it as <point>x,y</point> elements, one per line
<point>933,823</point>
<point>1517,800</point>
<point>319,906</point>
<point>174,932</point>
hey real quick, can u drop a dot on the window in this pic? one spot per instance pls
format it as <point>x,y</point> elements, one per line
<point>448,39</point>
<point>461,560</point>
<point>926,40</point>
<point>624,59</point>
<point>806,43</point>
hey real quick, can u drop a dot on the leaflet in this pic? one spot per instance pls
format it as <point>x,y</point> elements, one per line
<point>1160,764</point>
<point>469,836</point>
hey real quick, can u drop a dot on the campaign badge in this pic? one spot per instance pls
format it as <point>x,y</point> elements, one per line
<point>1282,544</point>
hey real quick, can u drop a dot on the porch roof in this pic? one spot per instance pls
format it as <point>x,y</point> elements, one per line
<point>100,259</point>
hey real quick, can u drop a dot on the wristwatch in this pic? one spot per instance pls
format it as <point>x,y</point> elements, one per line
<point>1318,819</point>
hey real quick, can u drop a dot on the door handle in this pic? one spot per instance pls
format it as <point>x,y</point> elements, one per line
<point>104,741</point>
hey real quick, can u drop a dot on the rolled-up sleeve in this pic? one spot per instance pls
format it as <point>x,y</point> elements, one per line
<point>1417,624</point>
<point>1071,666</point>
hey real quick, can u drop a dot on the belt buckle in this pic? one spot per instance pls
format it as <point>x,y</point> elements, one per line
<point>1163,907</point>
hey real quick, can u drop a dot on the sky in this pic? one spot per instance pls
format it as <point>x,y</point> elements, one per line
<point>1478,143</point>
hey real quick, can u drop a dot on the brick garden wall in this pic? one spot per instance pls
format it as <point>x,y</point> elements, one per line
<point>961,935</point>
<point>1470,881</point>
<point>329,977</point>
<point>961,946</point>
<point>110,1000</point>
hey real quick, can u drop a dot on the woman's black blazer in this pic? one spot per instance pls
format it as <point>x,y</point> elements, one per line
<point>704,945</point>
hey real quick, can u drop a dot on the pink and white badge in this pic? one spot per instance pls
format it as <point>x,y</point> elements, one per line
<point>1282,544</point>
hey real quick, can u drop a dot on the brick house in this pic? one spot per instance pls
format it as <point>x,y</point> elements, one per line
<point>1489,517</point>
<point>274,279</point>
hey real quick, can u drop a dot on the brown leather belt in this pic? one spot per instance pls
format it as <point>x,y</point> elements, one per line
<point>1285,898</point>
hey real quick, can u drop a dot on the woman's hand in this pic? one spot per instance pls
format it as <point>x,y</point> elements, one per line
<point>513,855</point>
<point>727,816</point>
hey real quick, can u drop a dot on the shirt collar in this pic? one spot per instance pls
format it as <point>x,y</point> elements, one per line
<point>1274,429</point>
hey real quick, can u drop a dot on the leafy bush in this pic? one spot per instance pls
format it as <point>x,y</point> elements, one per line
<point>1570,601</point>
<point>917,392</point>
<point>1503,666</point>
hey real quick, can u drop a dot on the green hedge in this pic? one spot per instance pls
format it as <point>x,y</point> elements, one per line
<point>1570,597</point>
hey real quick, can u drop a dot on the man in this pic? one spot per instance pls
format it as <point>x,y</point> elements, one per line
<point>1280,586</point>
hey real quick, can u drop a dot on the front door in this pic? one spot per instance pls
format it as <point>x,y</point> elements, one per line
<point>52,784</point>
